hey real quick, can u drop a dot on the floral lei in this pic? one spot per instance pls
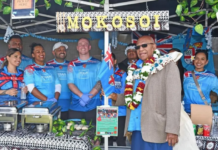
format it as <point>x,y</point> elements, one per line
<point>150,66</point>
<point>133,100</point>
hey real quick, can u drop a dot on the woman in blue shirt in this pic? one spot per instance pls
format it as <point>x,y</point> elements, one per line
<point>41,80</point>
<point>11,78</point>
<point>208,82</point>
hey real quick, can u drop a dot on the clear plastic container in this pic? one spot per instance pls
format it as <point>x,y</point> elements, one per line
<point>22,94</point>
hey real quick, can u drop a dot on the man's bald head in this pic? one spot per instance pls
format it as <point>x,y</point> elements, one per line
<point>145,38</point>
<point>146,47</point>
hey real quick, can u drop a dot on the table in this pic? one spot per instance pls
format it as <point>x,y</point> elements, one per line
<point>28,140</point>
<point>207,143</point>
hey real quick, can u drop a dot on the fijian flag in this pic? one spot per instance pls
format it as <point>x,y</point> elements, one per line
<point>106,73</point>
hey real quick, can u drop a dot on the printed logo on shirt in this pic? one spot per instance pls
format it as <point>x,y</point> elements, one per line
<point>46,79</point>
<point>192,86</point>
<point>62,76</point>
<point>83,74</point>
<point>117,84</point>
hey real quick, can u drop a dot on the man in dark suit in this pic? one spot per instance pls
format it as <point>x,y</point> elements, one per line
<point>131,54</point>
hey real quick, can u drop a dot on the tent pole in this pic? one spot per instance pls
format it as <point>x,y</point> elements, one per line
<point>85,3</point>
<point>129,3</point>
<point>106,44</point>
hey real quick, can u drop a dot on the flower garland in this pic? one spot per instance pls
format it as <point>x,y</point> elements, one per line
<point>133,100</point>
<point>150,66</point>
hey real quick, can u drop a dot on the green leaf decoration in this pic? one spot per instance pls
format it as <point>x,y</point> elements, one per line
<point>215,8</point>
<point>201,13</point>
<point>36,12</point>
<point>47,5</point>
<point>6,10</point>
<point>59,2</point>
<point>4,0</point>
<point>192,15</point>
<point>46,1</point>
<point>179,10</point>
<point>78,10</point>
<point>1,5</point>
<point>184,3</point>
<point>36,1</point>
<point>199,29</point>
<point>193,2</point>
<point>182,18</point>
<point>213,15</point>
<point>92,7</point>
<point>210,2</point>
<point>209,14</point>
<point>68,4</point>
<point>185,11</point>
<point>194,9</point>
<point>102,2</point>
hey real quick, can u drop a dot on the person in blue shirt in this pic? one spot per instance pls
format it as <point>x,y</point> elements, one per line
<point>208,82</point>
<point>11,78</point>
<point>60,64</point>
<point>41,80</point>
<point>120,79</point>
<point>82,76</point>
<point>15,41</point>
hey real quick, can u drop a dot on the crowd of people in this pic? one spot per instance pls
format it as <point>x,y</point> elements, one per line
<point>152,119</point>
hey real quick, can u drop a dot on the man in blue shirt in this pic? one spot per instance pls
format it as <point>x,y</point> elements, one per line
<point>60,64</point>
<point>82,79</point>
<point>15,41</point>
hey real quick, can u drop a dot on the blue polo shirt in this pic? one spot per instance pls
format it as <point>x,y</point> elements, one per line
<point>84,75</point>
<point>208,82</point>
<point>61,71</point>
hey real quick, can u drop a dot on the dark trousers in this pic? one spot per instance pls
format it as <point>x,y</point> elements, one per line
<point>120,139</point>
<point>64,115</point>
<point>88,116</point>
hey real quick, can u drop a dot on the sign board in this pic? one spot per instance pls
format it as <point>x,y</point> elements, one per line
<point>107,121</point>
<point>112,21</point>
<point>23,9</point>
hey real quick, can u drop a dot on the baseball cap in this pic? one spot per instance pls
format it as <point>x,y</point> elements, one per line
<point>59,44</point>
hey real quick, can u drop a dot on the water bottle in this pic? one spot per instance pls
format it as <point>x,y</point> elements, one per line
<point>22,94</point>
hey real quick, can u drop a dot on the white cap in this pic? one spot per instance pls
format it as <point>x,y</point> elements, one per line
<point>59,44</point>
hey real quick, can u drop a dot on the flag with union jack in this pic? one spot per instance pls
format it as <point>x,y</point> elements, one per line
<point>163,48</point>
<point>106,73</point>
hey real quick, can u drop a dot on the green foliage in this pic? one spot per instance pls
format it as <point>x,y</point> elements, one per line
<point>213,15</point>
<point>36,12</point>
<point>210,2</point>
<point>68,4</point>
<point>78,10</point>
<point>184,3</point>
<point>215,8</point>
<point>201,13</point>
<point>102,2</point>
<point>195,9</point>
<point>185,12</point>
<point>6,10</point>
<point>179,10</point>
<point>182,18</point>
<point>59,2</point>
<point>199,29</point>
<point>193,3</point>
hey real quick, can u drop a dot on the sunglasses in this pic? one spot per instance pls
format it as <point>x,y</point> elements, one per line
<point>143,46</point>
